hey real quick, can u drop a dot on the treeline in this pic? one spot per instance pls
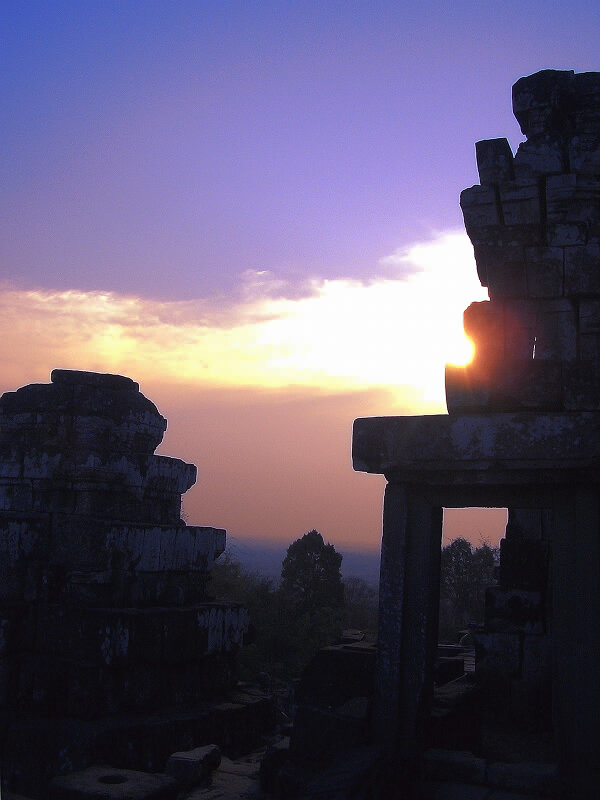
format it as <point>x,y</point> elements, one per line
<point>312,604</point>
<point>307,610</point>
<point>465,573</point>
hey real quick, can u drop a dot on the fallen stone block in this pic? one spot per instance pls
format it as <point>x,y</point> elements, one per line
<point>193,767</point>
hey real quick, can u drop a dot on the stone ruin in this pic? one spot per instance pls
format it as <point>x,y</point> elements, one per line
<point>109,644</point>
<point>534,221</point>
<point>523,432</point>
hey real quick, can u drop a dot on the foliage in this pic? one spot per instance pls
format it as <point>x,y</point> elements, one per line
<point>465,572</point>
<point>288,624</point>
<point>310,575</point>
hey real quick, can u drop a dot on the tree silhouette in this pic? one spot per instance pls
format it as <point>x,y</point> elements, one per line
<point>465,573</point>
<point>310,575</point>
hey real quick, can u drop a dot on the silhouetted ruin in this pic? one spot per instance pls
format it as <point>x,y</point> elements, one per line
<point>110,649</point>
<point>523,432</point>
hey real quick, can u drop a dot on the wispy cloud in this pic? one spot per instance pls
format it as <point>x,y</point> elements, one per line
<point>341,335</point>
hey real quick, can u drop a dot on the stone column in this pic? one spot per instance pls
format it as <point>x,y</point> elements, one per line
<point>408,618</point>
<point>576,638</point>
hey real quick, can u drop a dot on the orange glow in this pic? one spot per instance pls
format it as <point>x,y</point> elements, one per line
<point>261,393</point>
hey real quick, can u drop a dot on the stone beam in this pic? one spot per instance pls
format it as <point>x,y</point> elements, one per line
<point>476,444</point>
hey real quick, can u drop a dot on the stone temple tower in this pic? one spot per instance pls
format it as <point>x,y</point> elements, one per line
<point>534,221</point>
<point>110,647</point>
<point>522,432</point>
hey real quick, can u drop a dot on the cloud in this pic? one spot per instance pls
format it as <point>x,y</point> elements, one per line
<point>341,336</point>
<point>451,247</point>
<point>260,389</point>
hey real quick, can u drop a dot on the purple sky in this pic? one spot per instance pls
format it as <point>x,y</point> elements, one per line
<point>164,148</point>
<point>252,208</point>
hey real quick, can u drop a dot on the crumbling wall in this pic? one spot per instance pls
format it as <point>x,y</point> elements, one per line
<point>102,599</point>
<point>534,221</point>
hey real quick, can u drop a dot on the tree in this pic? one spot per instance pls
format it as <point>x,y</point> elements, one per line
<point>310,575</point>
<point>464,575</point>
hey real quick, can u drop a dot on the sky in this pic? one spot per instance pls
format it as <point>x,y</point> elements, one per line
<point>251,208</point>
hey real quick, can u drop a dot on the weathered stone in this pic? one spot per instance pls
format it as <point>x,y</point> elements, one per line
<point>582,270</point>
<point>467,389</point>
<point>494,161</point>
<point>527,523</point>
<point>513,611</point>
<point>539,101</point>
<point>589,316</point>
<point>556,330</point>
<point>71,377</point>
<point>109,583</point>
<point>483,323</point>
<point>504,385</point>
<point>541,155</point>
<point>520,204</point>
<point>585,94</point>
<point>584,153</point>
<point>545,271</point>
<point>506,272</point>
<point>572,199</point>
<point>193,767</point>
<point>480,207</point>
<point>540,261</point>
<point>566,234</point>
<point>502,269</point>
<point>581,380</point>
<point>507,236</point>
<point>442,443</point>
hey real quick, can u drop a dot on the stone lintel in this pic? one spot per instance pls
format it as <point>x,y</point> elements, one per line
<point>510,446</point>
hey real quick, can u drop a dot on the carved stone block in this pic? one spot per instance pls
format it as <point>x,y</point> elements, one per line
<point>582,270</point>
<point>494,161</point>
<point>572,198</point>
<point>541,155</point>
<point>584,153</point>
<point>479,207</point>
<point>539,101</point>
<point>545,271</point>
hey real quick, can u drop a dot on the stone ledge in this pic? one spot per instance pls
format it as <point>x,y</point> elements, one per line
<point>509,441</point>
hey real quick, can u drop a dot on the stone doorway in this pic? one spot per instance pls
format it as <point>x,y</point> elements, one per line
<point>492,681</point>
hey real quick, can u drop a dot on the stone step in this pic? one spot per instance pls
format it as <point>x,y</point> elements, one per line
<point>449,767</point>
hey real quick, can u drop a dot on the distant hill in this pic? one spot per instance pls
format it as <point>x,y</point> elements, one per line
<point>266,557</point>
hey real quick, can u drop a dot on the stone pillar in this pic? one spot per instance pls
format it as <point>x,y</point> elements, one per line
<point>576,635</point>
<point>408,618</point>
